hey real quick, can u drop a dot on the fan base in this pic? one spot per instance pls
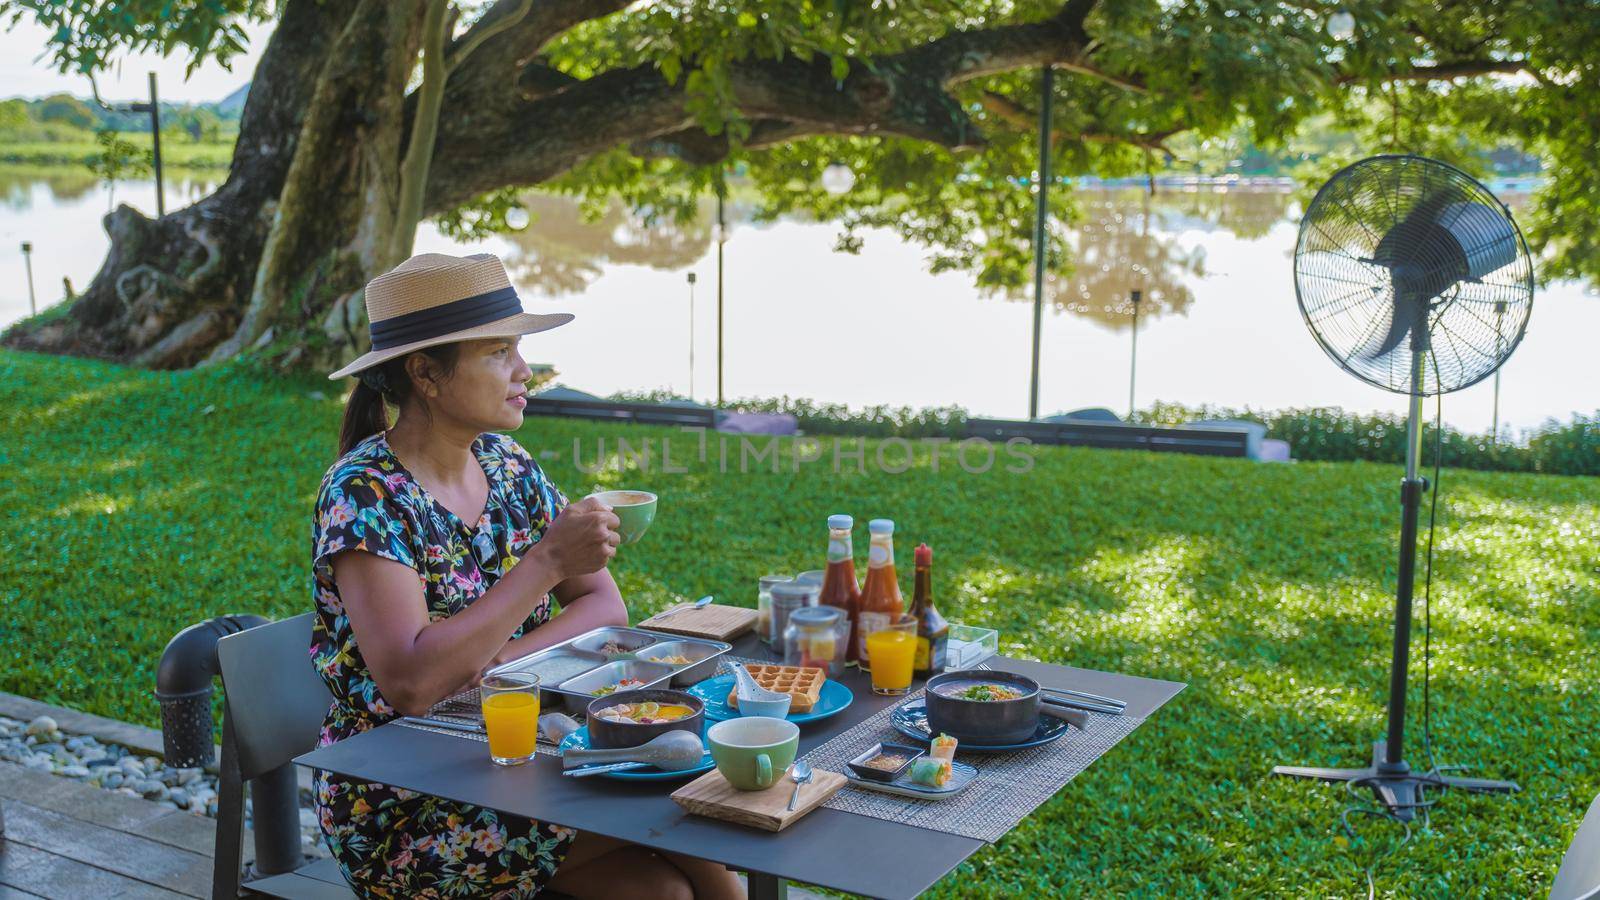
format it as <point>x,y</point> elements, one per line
<point>1397,787</point>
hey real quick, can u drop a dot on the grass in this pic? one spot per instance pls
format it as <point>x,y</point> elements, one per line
<point>175,154</point>
<point>136,503</point>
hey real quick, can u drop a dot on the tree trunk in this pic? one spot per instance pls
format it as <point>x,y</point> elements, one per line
<point>170,288</point>
<point>334,221</point>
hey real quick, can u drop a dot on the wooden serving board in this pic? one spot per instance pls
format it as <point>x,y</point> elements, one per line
<point>710,795</point>
<point>714,621</point>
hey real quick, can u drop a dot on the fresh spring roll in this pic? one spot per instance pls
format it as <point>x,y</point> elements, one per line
<point>931,772</point>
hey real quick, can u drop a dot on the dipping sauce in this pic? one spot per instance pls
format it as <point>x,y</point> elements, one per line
<point>980,691</point>
<point>886,762</point>
<point>646,713</point>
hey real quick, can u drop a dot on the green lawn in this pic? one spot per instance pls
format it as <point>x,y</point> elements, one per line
<point>138,502</point>
<point>175,154</point>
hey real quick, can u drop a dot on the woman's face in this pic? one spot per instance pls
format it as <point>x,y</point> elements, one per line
<point>487,390</point>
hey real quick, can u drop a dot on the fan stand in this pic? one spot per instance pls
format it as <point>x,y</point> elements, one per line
<point>1398,787</point>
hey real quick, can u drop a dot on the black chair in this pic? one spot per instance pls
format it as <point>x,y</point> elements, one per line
<point>1579,875</point>
<point>275,704</point>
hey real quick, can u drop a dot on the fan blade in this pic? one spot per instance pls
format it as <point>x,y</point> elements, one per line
<point>1399,327</point>
<point>1486,237</point>
<point>1407,315</point>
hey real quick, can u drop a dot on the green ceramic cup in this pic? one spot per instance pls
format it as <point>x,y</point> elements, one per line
<point>753,753</point>
<point>636,510</point>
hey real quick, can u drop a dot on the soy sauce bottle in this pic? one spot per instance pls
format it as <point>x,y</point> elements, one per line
<point>933,632</point>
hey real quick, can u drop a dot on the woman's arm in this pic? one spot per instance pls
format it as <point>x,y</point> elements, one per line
<point>417,663</point>
<point>587,602</point>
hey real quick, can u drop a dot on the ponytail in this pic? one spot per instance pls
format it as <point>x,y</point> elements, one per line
<point>388,383</point>
<point>364,416</point>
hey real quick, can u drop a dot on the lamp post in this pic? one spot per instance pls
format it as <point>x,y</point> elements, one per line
<point>27,263</point>
<point>691,335</point>
<point>1133,359</point>
<point>1046,83</point>
<point>154,109</point>
<point>1499,315</point>
<point>722,237</point>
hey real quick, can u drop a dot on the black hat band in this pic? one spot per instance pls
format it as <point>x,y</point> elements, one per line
<point>447,318</point>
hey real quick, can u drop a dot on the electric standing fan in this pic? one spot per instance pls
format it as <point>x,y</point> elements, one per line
<point>1413,278</point>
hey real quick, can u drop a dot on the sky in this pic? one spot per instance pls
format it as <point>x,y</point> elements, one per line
<point>26,71</point>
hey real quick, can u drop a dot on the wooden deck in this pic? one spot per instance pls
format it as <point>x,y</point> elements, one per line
<point>65,839</point>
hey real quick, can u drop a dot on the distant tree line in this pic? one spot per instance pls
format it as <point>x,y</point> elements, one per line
<point>65,118</point>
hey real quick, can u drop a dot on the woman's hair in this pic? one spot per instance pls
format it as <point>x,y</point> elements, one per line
<point>364,412</point>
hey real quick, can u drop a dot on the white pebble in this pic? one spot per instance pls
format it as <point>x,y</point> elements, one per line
<point>41,726</point>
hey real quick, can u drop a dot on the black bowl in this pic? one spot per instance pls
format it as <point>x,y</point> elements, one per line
<point>984,721</point>
<point>859,766</point>
<point>604,735</point>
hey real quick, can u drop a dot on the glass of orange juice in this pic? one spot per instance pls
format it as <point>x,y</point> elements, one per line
<point>511,716</point>
<point>893,649</point>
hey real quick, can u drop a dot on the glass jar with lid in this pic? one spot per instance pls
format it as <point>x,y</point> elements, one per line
<point>788,596</point>
<point>764,629</point>
<point>816,636</point>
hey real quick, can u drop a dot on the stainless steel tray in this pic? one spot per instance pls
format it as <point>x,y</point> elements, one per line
<point>553,665</point>
<point>628,641</point>
<point>556,696</point>
<point>585,685</point>
<point>702,656</point>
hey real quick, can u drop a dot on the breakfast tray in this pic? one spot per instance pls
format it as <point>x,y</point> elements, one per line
<point>1009,786</point>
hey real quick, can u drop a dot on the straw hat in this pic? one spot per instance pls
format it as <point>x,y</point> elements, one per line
<point>433,298</point>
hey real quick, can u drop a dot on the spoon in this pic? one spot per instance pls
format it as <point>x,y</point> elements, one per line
<point>749,689</point>
<point>554,727</point>
<point>671,752</point>
<point>801,775</point>
<point>702,603</point>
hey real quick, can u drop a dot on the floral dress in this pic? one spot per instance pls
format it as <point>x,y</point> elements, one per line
<point>391,842</point>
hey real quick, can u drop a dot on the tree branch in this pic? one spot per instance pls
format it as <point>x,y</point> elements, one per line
<point>1445,71</point>
<point>493,22</point>
<point>487,144</point>
<point>1014,113</point>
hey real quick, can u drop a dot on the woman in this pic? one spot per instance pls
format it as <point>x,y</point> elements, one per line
<point>413,603</point>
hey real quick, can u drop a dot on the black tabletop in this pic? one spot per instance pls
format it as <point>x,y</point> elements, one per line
<point>834,849</point>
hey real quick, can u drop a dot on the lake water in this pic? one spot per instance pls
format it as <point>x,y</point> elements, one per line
<point>1219,323</point>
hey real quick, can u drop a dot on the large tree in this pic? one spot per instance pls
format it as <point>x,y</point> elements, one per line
<point>366,116</point>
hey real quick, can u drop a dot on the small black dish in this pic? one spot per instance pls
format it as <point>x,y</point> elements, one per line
<point>860,767</point>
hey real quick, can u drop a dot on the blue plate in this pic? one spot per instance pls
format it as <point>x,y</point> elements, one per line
<point>580,739</point>
<point>713,692</point>
<point>911,720</point>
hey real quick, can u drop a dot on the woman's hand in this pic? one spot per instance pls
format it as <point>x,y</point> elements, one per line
<point>581,540</point>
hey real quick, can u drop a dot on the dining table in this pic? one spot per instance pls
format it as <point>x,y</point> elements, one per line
<point>831,848</point>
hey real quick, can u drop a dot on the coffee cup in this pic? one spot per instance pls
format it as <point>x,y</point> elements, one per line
<point>635,510</point>
<point>753,753</point>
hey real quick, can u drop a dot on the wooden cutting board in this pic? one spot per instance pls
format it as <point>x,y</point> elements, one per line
<point>714,621</point>
<point>710,795</point>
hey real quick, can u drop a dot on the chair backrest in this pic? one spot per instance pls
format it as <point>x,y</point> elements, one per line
<point>276,699</point>
<point>1579,876</point>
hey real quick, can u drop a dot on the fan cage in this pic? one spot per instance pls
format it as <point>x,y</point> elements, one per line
<point>1348,299</point>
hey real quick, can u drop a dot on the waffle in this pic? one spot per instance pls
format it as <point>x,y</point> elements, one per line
<point>803,685</point>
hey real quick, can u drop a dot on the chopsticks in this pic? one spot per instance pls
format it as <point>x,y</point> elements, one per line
<point>1080,700</point>
<point>443,723</point>
<point>603,768</point>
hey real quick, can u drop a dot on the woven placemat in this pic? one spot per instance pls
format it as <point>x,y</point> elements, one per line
<point>1009,785</point>
<point>465,708</point>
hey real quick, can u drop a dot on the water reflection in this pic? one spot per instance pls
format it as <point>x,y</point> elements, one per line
<point>1126,240</point>
<point>1220,259</point>
<point>561,253</point>
<point>24,188</point>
